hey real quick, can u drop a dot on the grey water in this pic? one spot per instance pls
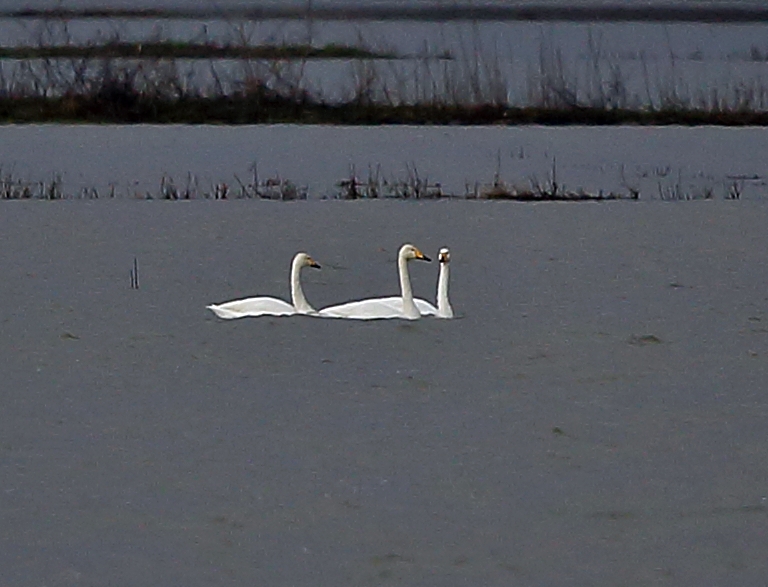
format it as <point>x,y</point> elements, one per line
<point>594,415</point>
<point>141,161</point>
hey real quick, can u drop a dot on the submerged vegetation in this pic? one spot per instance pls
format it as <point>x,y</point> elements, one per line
<point>373,185</point>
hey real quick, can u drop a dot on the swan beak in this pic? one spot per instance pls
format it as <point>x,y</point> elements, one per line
<point>422,256</point>
<point>313,263</point>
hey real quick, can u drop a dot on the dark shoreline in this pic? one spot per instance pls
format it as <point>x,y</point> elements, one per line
<point>191,50</point>
<point>121,105</point>
<point>531,12</point>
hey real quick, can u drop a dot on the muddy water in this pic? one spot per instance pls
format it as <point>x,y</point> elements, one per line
<point>595,415</point>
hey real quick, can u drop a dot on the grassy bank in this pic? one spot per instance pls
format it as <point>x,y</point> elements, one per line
<point>121,104</point>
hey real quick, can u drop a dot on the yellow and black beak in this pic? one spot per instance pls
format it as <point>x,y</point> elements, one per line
<point>422,256</point>
<point>313,263</point>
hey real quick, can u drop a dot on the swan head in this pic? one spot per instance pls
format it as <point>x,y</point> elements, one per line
<point>444,256</point>
<point>305,260</point>
<point>410,252</point>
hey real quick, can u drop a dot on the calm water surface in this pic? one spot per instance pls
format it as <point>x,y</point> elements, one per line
<point>134,161</point>
<point>596,415</point>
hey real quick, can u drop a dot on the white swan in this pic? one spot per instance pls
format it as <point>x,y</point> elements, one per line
<point>266,306</point>
<point>443,309</point>
<point>377,308</point>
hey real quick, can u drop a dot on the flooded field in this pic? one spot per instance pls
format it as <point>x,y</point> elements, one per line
<point>669,163</point>
<point>616,65</point>
<point>595,414</point>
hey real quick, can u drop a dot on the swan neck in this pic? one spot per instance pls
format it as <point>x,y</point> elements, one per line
<point>297,293</point>
<point>443,305</point>
<point>409,307</point>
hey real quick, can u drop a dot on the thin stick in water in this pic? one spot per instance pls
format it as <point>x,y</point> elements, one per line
<point>135,274</point>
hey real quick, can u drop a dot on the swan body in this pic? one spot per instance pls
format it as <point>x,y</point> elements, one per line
<point>443,309</point>
<point>267,306</point>
<point>384,308</point>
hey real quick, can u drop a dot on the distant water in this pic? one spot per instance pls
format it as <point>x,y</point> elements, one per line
<point>202,4</point>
